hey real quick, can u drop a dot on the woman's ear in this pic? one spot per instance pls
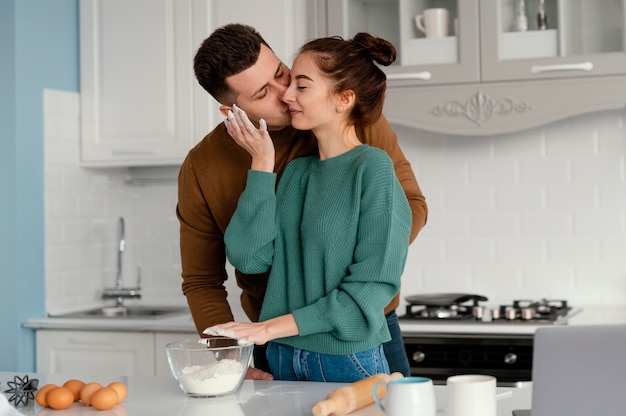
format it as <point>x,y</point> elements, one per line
<point>345,99</point>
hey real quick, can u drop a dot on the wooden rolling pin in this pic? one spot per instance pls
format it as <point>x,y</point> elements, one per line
<point>352,397</point>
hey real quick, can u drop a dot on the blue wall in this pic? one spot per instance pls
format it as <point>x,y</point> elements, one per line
<point>38,49</point>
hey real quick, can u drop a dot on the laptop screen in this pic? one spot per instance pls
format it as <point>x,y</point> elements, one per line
<point>579,371</point>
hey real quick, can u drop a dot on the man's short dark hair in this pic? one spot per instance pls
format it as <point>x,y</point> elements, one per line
<point>229,50</point>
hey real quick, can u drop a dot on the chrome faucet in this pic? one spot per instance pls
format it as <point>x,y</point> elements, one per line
<point>119,293</point>
<point>120,251</point>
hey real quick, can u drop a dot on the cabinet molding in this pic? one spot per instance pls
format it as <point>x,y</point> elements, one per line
<point>496,108</point>
<point>480,108</point>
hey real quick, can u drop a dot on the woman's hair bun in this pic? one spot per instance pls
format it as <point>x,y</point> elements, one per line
<point>380,50</point>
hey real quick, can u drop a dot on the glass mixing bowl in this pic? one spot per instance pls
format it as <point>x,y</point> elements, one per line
<point>209,367</point>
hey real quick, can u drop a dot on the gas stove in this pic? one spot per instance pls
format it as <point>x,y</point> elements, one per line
<point>469,308</point>
<point>456,333</point>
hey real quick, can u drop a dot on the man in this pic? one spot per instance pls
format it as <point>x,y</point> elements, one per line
<point>236,66</point>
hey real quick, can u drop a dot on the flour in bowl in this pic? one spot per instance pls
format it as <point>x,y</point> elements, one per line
<point>211,380</point>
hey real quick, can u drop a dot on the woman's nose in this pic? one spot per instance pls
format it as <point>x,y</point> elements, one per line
<point>287,95</point>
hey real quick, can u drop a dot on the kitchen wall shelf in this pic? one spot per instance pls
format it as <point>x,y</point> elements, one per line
<point>528,45</point>
<point>493,79</point>
<point>420,51</point>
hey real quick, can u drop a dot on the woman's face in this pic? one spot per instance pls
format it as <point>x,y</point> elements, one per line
<point>309,96</point>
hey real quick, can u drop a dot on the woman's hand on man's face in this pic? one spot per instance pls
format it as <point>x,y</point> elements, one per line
<point>255,141</point>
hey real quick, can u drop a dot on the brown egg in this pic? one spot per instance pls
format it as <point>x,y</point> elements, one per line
<point>121,390</point>
<point>40,398</point>
<point>75,386</point>
<point>59,398</point>
<point>105,398</point>
<point>87,391</point>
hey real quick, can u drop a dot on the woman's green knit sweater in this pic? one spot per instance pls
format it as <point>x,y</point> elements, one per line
<point>335,234</point>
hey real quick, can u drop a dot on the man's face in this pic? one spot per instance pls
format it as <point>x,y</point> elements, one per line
<point>260,90</point>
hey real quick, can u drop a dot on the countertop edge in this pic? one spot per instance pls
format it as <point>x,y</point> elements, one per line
<point>177,323</point>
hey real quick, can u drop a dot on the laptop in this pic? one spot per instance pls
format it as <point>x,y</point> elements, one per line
<point>578,371</point>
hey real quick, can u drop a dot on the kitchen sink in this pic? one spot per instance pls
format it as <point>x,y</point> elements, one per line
<point>127,312</point>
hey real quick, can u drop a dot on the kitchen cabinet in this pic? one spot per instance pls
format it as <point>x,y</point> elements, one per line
<point>487,76</point>
<point>140,102</point>
<point>137,91</point>
<point>95,352</point>
<point>106,353</point>
<point>584,38</point>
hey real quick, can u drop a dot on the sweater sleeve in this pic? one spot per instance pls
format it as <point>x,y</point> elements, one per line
<point>202,252</point>
<point>382,136</point>
<point>250,235</point>
<point>355,307</point>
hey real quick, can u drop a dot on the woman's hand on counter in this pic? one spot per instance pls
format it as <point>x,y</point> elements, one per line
<point>256,332</point>
<point>256,374</point>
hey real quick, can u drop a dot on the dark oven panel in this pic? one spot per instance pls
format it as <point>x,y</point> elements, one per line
<point>439,356</point>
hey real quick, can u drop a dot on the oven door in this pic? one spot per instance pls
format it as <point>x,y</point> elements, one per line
<point>439,356</point>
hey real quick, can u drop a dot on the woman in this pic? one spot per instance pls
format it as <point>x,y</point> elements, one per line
<point>335,233</point>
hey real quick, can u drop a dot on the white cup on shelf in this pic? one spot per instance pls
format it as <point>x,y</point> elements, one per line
<point>433,22</point>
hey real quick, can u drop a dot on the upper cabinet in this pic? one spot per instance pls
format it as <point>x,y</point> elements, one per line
<point>564,38</point>
<point>137,103</point>
<point>475,67</point>
<point>140,102</point>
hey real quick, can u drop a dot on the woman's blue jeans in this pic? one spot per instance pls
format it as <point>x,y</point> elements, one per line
<point>394,350</point>
<point>295,364</point>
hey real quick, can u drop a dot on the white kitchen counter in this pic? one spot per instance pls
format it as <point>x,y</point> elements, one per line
<point>172,323</point>
<point>587,315</point>
<point>162,397</point>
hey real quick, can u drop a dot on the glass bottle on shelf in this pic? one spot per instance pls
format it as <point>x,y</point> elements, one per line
<point>542,19</point>
<point>521,21</point>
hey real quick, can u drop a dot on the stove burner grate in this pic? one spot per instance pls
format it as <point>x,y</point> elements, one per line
<point>467,308</point>
<point>452,312</point>
<point>532,311</point>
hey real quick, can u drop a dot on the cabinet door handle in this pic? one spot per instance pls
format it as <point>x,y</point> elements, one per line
<point>583,66</point>
<point>425,75</point>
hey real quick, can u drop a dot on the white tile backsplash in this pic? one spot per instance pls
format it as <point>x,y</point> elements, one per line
<point>82,210</point>
<point>532,214</point>
<point>539,213</point>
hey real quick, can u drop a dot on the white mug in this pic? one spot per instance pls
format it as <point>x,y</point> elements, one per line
<point>408,396</point>
<point>471,395</point>
<point>433,22</point>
